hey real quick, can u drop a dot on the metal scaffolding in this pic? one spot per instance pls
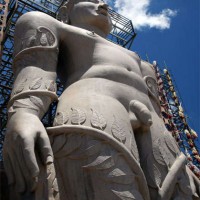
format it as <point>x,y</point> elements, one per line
<point>176,121</point>
<point>123,34</point>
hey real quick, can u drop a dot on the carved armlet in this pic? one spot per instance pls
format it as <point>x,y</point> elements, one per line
<point>36,103</point>
<point>35,95</point>
<point>35,91</point>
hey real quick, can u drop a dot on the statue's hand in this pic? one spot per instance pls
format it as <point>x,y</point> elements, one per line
<point>139,114</point>
<point>25,136</point>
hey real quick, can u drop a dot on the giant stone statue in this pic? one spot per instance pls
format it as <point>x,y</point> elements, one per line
<point>108,141</point>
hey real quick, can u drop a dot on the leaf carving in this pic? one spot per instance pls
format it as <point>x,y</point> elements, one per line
<point>118,176</point>
<point>24,103</point>
<point>171,143</point>
<point>35,84</point>
<point>58,142</point>
<point>65,117</point>
<point>78,116</point>
<point>30,41</point>
<point>147,168</point>
<point>36,101</point>
<point>97,120</point>
<point>134,149</point>
<point>93,148</point>
<point>51,86</point>
<point>61,118</point>
<point>101,163</point>
<point>51,38</point>
<point>73,143</point>
<point>156,152</point>
<point>152,173</point>
<point>124,195</point>
<point>157,175</point>
<point>43,40</point>
<point>166,154</point>
<point>47,38</point>
<point>20,87</point>
<point>118,130</point>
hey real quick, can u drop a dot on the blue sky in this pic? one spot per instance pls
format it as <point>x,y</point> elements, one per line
<point>168,31</point>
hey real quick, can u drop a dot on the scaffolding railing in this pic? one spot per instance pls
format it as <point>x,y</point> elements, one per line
<point>176,121</point>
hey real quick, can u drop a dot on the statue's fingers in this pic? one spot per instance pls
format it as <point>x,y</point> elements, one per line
<point>8,167</point>
<point>45,148</point>
<point>141,112</point>
<point>30,158</point>
<point>135,123</point>
<point>24,169</point>
<point>20,181</point>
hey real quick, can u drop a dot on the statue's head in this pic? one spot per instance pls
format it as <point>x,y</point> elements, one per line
<point>86,12</point>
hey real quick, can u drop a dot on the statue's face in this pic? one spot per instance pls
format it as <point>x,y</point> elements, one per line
<point>91,12</point>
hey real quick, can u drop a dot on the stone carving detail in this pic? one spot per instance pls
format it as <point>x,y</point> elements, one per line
<point>70,143</point>
<point>157,154</point>
<point>126,195</point>
<point>91,33</point>
<point>36,101</point>
<point>20,87</point>
<point>134,149</point>
<point>25,60</point>
<point>78,116</point>
<point>61,118</point>
<point>97,120</point>
<point>152,85</point>
<point>150,173</point>
<point>101,163</point>
<point>52,182</point>
<point>47,182</point>
<point>47,38</point>
<point>35,84</point>
<point>96,152</point>
<point>162,154</point>
<point>156,176</point>
<point>30,41</point>
<point>119,176</point>
<point>118,130</point>
<point>104,160</point>
<point>42,37</point>
<point>171,143</point>
<point>51,86</point>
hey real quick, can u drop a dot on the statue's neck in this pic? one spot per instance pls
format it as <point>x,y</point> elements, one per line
<point>92,29</point>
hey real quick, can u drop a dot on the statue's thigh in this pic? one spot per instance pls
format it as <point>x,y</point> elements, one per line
<point>91,169</point>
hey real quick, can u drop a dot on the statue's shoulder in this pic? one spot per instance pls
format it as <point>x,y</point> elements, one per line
<point>36,29</point>
<point>32,20</point>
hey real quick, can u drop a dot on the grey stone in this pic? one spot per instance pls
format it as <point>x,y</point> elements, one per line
<point>108,140</point>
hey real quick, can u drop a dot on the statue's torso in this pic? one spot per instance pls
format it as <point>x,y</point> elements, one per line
<point>87,55</point>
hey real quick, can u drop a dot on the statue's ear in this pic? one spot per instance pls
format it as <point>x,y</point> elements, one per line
<point>63,14</point>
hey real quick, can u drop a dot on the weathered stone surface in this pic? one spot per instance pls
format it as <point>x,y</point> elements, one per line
<point>108,140</point>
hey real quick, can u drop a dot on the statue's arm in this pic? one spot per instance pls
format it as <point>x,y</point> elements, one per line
<point>34,66</point>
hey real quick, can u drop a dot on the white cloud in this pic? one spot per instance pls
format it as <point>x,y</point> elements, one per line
<point>138,12</point>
